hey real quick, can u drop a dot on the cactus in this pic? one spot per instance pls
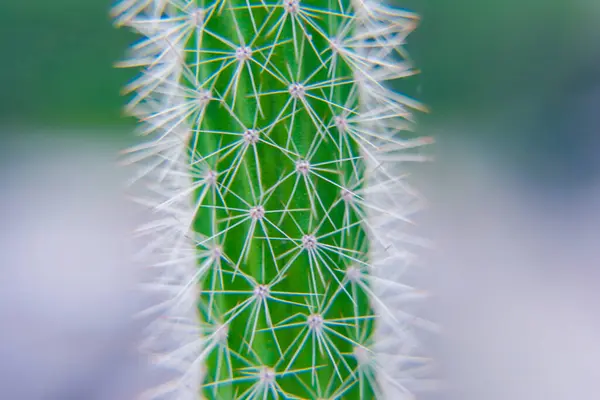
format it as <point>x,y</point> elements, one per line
<point>272,170</point>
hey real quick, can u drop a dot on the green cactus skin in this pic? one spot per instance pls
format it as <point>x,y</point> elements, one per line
<point>271,123</point>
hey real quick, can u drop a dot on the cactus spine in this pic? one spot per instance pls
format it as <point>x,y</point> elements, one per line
<point>272,169</point>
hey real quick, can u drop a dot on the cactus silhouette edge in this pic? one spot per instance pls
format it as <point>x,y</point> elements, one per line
<point>272,165</point>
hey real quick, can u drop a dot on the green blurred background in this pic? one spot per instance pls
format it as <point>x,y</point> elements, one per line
<point>57,64</point>
<point>57,55</point>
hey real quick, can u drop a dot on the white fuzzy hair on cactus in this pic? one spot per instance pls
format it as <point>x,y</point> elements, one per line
<point>272,163</point>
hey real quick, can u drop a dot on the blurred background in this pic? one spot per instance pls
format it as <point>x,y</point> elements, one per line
<point>514,89</point>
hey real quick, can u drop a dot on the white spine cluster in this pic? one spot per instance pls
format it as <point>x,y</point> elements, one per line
<point>371,44</point>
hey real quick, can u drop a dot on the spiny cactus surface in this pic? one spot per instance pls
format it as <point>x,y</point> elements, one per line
<point>272,170</point>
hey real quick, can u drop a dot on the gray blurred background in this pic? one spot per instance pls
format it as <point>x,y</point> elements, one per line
<point>514,88</point>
